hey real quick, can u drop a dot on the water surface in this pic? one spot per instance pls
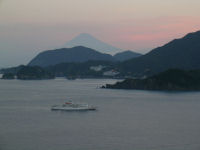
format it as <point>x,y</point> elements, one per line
<point>125,119</point>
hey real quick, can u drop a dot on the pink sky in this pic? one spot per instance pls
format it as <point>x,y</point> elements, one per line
<point>30,26</point>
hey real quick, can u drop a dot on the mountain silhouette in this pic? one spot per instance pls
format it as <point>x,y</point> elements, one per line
<point>125,55</point>
<point>183,53</point>
<point>65,55</point>
<point>89,41</point>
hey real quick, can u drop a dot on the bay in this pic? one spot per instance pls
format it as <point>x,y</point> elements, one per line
<point>125,119</point>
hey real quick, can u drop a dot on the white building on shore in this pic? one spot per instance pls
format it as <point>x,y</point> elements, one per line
<point>111,73</point>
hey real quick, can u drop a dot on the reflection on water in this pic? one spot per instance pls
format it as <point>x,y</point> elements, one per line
<point>125,119</point>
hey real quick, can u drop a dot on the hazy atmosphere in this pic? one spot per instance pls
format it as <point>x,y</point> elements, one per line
<point>99,74</point>
<point>31,26</point>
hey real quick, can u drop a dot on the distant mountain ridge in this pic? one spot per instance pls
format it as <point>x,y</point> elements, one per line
<point>65,55</point>
<point>81,49</point>
<point>125,55</point>
<point>76,54</point>
<point>89,41</point>
<point>181,53</point>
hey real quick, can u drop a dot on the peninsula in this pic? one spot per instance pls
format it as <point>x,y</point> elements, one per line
<point>170,80</point>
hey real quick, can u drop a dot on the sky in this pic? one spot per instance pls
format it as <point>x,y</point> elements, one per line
<point>28,27</point>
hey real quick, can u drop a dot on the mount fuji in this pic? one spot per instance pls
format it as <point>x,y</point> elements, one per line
<point>89,41</point>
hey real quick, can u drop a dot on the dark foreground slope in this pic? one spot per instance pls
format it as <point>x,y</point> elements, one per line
<point>181,53</point>
<point>65,55</point>
<point>172,79</point>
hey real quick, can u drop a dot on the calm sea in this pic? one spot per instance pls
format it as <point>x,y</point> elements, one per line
<point>125,119</point>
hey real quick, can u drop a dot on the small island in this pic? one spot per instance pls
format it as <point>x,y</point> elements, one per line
<point>34,73</point>
<point>8,76</point>
<point>170,80</point>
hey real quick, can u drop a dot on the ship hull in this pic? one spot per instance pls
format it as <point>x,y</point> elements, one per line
<point>73,109</point>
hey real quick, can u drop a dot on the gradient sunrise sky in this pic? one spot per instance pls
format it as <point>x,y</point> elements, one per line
<point>30,26</point>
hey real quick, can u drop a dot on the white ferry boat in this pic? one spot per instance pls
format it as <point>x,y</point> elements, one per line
<point>69,106</point>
